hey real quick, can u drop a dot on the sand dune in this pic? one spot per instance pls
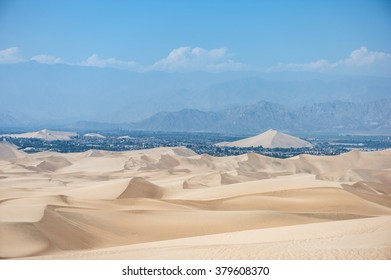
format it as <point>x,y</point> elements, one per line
<point>269,139</point>
<point>44,134</point>
<point>367,238</point>
<point>9,151</point>
<point>170,203</point>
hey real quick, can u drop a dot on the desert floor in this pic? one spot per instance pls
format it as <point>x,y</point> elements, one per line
<point>169,203</point>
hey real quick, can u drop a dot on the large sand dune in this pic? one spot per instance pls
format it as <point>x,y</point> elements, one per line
<point>44,134</point>
<point>269,139</point>
<point>169,203</point>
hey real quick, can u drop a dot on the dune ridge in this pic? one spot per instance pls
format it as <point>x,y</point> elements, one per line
<point>269,139</point>
<point>44,134</point>
<point>170,203</point>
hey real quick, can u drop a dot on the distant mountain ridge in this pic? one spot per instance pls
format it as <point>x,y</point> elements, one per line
<point>7,120</point>
<point>335,116</point>
<point>70,93</point>
<point>183,120</point>
<point>328,116</point>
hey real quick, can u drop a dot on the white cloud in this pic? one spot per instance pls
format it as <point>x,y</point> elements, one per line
<point>95,61</point>
<point>364,57</point>
<point>359,59</point>
<point>182,59</point>
<point>186,59</point>
<point>10,56</point>
<point>47,59</point>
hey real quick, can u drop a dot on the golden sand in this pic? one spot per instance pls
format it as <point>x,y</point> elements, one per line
<point>169,203</point>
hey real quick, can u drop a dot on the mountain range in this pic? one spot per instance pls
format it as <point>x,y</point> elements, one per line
<point>76,97</point>
<point>62,94</point>
<point>337,116</point>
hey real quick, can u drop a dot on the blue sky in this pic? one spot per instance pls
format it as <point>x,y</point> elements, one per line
<point>211,35</point>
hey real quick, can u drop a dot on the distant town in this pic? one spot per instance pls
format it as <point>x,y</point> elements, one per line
<point>201,143</point>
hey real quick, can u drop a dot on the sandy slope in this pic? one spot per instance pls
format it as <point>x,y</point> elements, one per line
<point>269,139</point>
<point>44,134</point>
<point>169,203</point>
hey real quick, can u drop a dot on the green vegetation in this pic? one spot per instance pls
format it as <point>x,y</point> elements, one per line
<point>201,143</point>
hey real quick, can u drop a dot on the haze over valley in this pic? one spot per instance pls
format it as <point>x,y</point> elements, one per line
<point>228,101</point>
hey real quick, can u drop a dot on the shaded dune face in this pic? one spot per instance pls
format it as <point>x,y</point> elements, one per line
<point>9,151</point>
<point>140,188</point>
<point>169,203</point>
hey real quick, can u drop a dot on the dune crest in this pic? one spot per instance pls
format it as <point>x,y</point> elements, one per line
<point>269,139</point>
<point>138,187</point>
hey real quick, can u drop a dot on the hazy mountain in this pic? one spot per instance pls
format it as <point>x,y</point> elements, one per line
<point>340,115</point>
<point>251,118</point>
<point>238,119</point>
<point>184,120</point>
<point>67,94</point>
<point>59,92</point>
<point>329,116</point>
<point>7,120</point>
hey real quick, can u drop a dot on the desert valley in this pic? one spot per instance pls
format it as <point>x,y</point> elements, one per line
<point>171,203</point>
<point>195,139</point>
